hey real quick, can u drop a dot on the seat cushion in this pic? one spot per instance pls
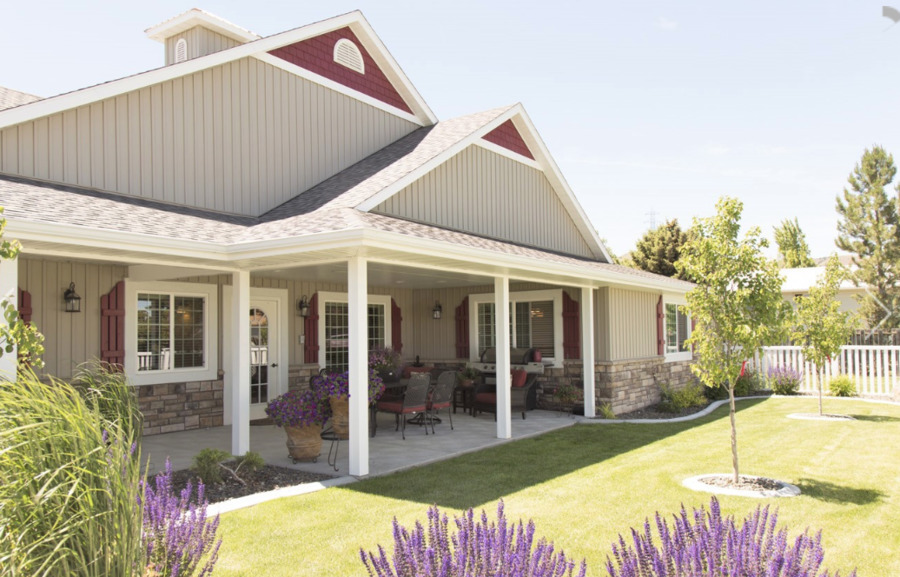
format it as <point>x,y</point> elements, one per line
<point>390,406</point>
<point>519,377</point>
<point>487,398</point>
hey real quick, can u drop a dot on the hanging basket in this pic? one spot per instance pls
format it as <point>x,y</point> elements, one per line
<point>340,416</point>
<point>304,443</point>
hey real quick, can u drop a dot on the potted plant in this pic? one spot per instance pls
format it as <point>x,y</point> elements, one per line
<point>302,415</point>
<point>334,390</point>
<point>386,362</point>
<point>468,376</point>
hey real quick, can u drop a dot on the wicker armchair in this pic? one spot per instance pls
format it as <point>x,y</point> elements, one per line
<point>523,397</point>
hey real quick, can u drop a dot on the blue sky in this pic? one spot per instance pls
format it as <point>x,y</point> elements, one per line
<point>652,109</point>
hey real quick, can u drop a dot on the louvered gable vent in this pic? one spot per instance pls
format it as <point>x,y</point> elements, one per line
<point>346,53</point>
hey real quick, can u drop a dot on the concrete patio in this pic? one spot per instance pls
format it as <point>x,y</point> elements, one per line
<point>388,452</point>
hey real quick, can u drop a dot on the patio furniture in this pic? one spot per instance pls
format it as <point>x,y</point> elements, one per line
<point>521,392</point>
<point>414,401</point>
<point>441,397</point>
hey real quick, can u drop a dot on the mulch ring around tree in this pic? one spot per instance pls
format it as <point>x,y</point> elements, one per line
<point>747,485</point>
<point>267,478</point>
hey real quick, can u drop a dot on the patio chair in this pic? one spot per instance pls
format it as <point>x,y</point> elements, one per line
<point>414,401</point>
<point>441,397</point>
<point>522,385</point>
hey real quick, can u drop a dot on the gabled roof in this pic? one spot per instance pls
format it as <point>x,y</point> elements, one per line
<point>260,48</point>
<point>194,17</point>
<point>10,98</point>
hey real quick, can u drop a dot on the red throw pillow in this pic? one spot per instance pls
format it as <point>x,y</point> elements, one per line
<point>519,377</point>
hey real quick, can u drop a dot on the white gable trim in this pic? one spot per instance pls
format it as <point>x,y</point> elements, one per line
<point>336,86</point>
<point>355,20</point>
<point>543,160</point>
<point>505,152</point>
<point>196,17</point>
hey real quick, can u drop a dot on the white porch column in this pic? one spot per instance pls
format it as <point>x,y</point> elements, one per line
<point>240,362</point>
<point>587,348</point>
<point>358,335</point>
<point>501,328</point>
<point>9,292</point>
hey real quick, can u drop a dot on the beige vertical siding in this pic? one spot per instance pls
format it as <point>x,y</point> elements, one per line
<point>243,138</point>
<point>602,336</point>
<point>483,192</point>
<point>628,319</point>
<point>69,338</point>
<point>200,42</point>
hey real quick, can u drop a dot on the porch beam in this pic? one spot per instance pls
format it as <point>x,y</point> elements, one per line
<point>9,292</point>
<point>153,272</point>
<point>358,336</point>
<point>240,362</point>
<point>587,349</point>
<point>501,329</point>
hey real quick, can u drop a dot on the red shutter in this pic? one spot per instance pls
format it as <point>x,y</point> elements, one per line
<point>571,328</point>
<point>462,330</point>
<point>24,306</point>
<point>396,327</point>
<point>311,332</point>
<point>660,330</point>
<point>112,325</point>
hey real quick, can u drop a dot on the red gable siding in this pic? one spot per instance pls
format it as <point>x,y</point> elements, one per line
<point>317,55</point>
<point>508,137</point>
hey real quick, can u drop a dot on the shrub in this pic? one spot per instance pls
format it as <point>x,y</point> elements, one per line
<point>209,464</point>
<point>567,393</point>
<point>474,549</point>
<point>179,540</point>
<point>676,400</point>
<point>842,386</point>
<point>784,380</point>
<point>706,544</point>
<point>747,384</point>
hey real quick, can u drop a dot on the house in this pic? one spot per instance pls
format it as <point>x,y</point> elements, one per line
<point>301,178</point>
<point>797,282</point>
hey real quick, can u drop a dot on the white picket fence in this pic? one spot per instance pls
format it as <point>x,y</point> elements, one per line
<point>876,369</point>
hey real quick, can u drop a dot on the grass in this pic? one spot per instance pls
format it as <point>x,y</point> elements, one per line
<point>586,484</point>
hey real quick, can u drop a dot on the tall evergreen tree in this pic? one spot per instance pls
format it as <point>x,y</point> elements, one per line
<point>869,228</point>
<point>792,245</point>
<point>659,248</point>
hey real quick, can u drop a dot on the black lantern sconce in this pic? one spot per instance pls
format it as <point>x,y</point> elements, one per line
<point>72,300</point>
<point>303,307</point>
<point>436,311</point>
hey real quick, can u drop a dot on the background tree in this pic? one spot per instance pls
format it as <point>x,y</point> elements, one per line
<point>820,326</point>
<point>868,228</point>
<point>737,303</point>
<point>659,249</point>
<point>792,245</point>
<point>14,333</point>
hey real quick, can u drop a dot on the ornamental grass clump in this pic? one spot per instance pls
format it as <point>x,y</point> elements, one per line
<point>706,545</point>
<point>474,549</point>
<point>179,539</point>
<point>784,380</point>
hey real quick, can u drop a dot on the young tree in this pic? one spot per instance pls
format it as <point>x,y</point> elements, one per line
<point>792,245</point>
<point>820,325</point>
<point>14,332</point>
<point>869,228</point>
<point>737,303</point>
<point>659,249</point>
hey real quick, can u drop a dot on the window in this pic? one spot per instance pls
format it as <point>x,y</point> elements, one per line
<point>180,50</point>
<point>334,350</point>
<point>678,330</point>
<point>346,53</point>
<point>170,332</point>
<point>533,322</point>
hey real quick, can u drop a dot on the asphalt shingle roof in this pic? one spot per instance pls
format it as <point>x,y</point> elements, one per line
<point>10,98</point>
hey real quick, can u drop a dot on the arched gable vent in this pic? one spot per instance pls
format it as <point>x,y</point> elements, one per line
<point>180,50</point>
<point>346,53</point>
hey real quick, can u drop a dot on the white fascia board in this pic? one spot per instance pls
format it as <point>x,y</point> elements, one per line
<point>336,86</point>
<point>435,162</point>
<point>54,104</point>
<point>195,17</point>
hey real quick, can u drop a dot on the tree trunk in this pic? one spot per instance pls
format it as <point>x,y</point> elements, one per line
<point>819,377</point>
<point>734,452</point>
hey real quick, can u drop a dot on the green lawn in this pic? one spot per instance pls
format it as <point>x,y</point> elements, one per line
<point>586,484</point>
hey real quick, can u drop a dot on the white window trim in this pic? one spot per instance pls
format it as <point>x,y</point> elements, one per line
<point>680,356</point>
<point>328,297</point>
<point>554,295</point>
<point>210,370</point>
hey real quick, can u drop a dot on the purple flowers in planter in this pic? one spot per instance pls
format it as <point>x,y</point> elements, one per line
<point>179,539</point>
<point>338,385</point>
<point>296,409</point>
<point>475,549</point>
<point>704,544</point>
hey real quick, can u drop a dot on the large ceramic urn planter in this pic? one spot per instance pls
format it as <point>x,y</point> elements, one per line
<point>304,443</point>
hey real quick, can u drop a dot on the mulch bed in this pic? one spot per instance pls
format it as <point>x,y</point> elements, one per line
<point>653,412</point>
<point>758,484</point>
<point>265,479</point>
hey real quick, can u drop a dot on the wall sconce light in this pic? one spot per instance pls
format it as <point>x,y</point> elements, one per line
<point>73,301</point>
<point>436,311</point>
<point>303,307</point>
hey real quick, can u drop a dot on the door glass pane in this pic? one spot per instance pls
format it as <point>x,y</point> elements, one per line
<point>337,343</point>
<point>259,356</point>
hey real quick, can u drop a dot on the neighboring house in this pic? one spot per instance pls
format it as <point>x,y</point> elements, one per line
<point>798,280</point>
<point>302,179</point>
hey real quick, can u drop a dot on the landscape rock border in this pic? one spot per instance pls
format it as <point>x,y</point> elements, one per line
<point>697,484</point>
